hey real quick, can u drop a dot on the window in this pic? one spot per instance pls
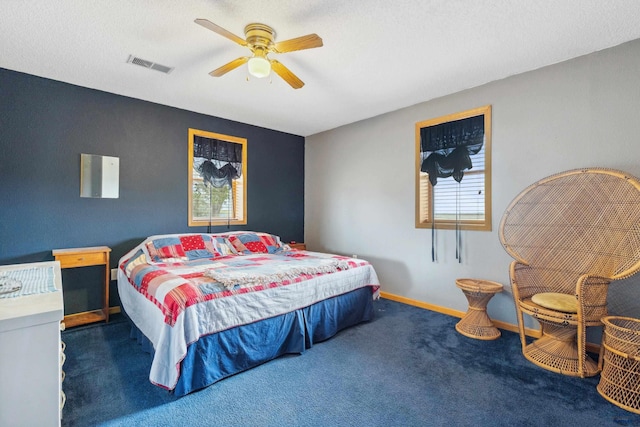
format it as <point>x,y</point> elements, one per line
<point>217,179</point>
<point>466,203</point>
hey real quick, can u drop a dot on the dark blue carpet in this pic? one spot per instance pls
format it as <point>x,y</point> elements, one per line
<point>408,367</point>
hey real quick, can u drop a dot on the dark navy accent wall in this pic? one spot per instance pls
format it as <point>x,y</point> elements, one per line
<point>44,127</point>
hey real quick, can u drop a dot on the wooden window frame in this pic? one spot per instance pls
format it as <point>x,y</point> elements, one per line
<point>240,219</point>
<point>424,195</point>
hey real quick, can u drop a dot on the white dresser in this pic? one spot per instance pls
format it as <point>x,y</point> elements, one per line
<point>30,354</point>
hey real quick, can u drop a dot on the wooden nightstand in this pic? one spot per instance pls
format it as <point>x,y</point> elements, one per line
<point>85,257</point>
<point>299,246</point>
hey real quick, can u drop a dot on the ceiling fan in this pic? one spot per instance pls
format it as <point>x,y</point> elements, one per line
<point>260,39</point>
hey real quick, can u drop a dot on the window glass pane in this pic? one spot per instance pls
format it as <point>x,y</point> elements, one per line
<point>468,195</point>
<point>210,204</point>
<point>466,203</point>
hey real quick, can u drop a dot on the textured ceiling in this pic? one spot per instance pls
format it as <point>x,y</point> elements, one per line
<point>378,55</point>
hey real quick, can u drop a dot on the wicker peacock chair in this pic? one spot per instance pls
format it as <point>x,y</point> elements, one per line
<point>570,234</point>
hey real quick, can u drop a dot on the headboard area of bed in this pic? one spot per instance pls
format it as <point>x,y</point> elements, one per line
<point>187,247</point>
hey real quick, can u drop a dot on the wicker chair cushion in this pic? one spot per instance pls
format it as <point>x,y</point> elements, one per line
<point>556,301</point>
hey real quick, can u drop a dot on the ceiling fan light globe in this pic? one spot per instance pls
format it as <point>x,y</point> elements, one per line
<point>259,67</point>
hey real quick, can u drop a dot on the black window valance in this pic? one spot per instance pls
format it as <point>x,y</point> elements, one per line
<point>446,148</point>
<point>221,160</point>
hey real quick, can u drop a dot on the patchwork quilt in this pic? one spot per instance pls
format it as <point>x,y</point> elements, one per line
<point>177,285</point>
<point>178,288</point>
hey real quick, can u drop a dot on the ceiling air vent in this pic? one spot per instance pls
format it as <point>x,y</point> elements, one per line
<point>149,64</point>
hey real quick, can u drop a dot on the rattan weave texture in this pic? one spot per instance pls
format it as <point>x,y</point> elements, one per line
<point>476,323</point>
<point>572,233</point>
<point>620,359</point>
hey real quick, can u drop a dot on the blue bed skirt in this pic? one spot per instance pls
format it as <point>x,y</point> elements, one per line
<point>217,356</point>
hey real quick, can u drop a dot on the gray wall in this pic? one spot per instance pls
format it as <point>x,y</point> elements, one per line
<point>583,112</point>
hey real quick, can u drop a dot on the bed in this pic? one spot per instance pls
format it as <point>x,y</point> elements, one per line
<point>207,306</point>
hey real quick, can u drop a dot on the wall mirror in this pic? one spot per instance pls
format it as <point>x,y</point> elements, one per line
<point>99,176</point>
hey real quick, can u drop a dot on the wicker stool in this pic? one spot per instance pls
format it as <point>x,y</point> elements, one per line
<point>620,362</point>
<point>476,323</point>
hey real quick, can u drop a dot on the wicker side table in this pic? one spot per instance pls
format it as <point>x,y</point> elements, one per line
<point>476,323</point>
<point>620,362</point>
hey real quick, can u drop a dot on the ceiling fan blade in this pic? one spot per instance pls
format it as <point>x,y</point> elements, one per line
<point>218,29</point>
<point>229,66</point>
<point>299,43</point>
<point>286,74</point>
